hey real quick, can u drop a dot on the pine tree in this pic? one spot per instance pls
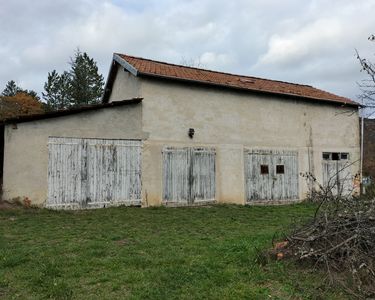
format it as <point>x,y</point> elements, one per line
<point>57,90</point>
<point>12,89</point>
<point>81,85</point>
<point>86,84</point>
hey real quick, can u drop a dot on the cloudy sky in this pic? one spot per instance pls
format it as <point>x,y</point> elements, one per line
<point>311,42</point>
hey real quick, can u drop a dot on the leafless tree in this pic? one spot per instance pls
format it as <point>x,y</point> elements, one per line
<point>191,62</point>
<point>340,238</point>
<point>367,85</point>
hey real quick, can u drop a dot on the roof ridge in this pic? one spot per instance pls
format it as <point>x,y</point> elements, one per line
<point>217,72</point>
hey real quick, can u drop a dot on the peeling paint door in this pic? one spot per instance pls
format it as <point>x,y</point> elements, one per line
<point>336,174</point>
<point>271,175</point>
<point>203,175</point>
<point>93,172</point>
<point>188,175</point>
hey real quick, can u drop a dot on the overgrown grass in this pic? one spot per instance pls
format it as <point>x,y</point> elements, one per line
<point>154,253</point>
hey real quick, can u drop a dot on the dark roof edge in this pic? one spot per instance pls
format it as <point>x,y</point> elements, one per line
<point>109,82</point>
<point>324,100</point>
<point>117,60</point>
<point>125,64</point>
<point>67,112</point>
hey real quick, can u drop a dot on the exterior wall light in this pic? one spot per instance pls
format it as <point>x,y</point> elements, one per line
<point>191,132</point>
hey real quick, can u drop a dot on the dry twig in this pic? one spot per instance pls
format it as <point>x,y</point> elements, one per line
<point>340,238</point>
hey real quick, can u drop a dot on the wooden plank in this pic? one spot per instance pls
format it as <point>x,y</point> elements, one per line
<point>188,175</point>
<point>270,186</point>
<point>64,173</point>
<point>337,177</point>
<point>203,175</point>
<point>345,177</point>
<point>93,172</point>
<point>176,163</point>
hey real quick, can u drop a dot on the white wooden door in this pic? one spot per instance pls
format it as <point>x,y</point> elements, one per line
<point>84,173</point>
<point>271,175</point>
<point>188,175</point>
<point>337,177</point>
<point>202,175</point>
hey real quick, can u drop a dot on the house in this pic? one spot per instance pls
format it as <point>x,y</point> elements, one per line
<point>187,136</point>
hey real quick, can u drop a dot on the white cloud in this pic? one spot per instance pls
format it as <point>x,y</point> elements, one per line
<point>316,39</point>
<point>301,41</point>
<point>321,50</point>
<point>216,60</point>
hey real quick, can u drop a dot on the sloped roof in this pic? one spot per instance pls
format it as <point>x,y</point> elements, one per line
<point>67,112</point>
<point>146,67</point>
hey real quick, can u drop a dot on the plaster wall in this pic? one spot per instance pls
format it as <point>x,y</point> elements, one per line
<point>126,86</point>
<point>231,121</point>
<point>26,145</point>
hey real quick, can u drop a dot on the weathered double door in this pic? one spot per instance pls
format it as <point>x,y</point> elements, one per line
<point>93,172</point>
<point>188,175</point>
<point>337,178</point>
<point>271,175</point>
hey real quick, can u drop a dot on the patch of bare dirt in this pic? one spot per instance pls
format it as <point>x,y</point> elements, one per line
<point>124,242</point>
<point>4,205</point>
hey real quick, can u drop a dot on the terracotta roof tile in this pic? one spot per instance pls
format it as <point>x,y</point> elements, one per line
<point>172,71</point>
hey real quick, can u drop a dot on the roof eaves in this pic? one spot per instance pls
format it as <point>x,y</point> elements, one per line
<point>125,64</point>
<point>109,82</point>
<point>352,103</point>
<point>67,112</point>
<point>117,61</point>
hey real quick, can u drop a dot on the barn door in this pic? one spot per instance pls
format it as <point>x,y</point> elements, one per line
<point>202,175</point>
<point>176,175</point>
<point>271,175</point>
<point>114,172</point>
<point>258,176</point>
<point>93,172</point>
<point>188,175</point>
<point>336,173</point>
<point>66,173</point>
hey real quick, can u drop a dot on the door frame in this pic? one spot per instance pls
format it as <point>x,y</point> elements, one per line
<point>271,156</point>
<point>84,200</point>
<point>191,199</point>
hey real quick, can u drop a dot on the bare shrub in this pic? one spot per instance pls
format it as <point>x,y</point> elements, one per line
<point>340,238</point>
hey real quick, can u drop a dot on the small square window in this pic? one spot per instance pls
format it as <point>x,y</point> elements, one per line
<point>264,169</point>
<point>279,169</point>
<point>335,156</point>
<point>345,156</point>
<point>326,155</point>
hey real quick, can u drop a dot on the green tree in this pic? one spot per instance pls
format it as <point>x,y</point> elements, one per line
<point>81,85</point>
<point>86,85</point>
<point>11,89</point>
<point>57,91</point>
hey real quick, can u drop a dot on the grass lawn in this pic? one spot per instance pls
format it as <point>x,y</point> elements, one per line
<point>152,253</point>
